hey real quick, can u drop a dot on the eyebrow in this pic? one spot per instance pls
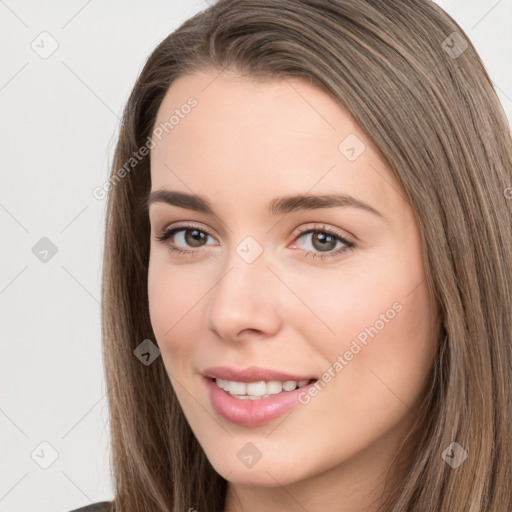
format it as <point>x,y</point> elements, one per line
<point>278,206</point>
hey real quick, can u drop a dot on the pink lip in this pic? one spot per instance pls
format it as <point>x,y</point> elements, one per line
<point>251,374</point>
<point>251,412</point>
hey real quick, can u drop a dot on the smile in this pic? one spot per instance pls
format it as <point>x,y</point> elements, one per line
<point>260,389</point>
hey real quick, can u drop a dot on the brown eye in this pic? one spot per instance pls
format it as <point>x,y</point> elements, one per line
<point>323,241</point>
<point>194,237</point>
<point>183,238</point>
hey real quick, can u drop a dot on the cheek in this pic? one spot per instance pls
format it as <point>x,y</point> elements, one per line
<point>378,342</point>
<point>171,306</point>
<point>361,301</point>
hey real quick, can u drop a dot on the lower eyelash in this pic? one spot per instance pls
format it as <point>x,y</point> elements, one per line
<point>348,245</point>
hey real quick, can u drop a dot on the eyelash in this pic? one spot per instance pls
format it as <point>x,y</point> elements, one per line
<point>167,233</point>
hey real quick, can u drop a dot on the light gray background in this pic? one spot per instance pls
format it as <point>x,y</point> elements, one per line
<point>60,117</point>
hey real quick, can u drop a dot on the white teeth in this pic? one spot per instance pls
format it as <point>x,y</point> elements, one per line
<point>237,388</point>
<point>289,385</point>
<point>274,387</point>
<point>256,390</point>
<point>223,384</point>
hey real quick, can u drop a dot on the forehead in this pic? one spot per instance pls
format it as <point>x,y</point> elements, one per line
<point>264,137</point>
<point>279,111</point>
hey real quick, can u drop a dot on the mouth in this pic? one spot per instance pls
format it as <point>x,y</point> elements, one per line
<point>259,389</point>
<point>253,396</point>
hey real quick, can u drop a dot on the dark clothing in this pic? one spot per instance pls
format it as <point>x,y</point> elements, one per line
<point>100,506</point>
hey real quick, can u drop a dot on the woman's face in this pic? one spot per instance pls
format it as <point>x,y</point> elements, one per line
<point>268,292</point>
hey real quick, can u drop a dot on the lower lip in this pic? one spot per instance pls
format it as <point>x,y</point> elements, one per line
<point>252,412</point>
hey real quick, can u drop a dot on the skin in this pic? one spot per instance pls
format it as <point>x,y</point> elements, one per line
<point>245,143</point>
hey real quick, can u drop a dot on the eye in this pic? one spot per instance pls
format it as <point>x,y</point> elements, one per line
<point>322,239</point>
<point>188,234</point>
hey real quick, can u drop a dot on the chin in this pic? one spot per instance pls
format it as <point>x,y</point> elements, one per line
<point>243,463</point>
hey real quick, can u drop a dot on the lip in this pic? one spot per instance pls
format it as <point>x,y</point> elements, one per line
<point>252,374</point>
<point>250,413</point>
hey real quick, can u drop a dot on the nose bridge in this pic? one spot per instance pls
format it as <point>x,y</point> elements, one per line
<point>245,297</point>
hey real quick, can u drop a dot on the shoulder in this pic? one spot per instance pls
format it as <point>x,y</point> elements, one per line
<point>100,506</point>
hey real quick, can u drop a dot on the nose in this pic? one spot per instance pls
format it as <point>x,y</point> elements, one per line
<point>246,301</point>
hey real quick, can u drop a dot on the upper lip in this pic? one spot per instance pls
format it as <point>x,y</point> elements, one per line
<point>251,374</point>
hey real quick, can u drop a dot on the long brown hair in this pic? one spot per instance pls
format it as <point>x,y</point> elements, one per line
<point>412,80</point>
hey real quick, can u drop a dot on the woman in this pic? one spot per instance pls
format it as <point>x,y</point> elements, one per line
<point>308,266</point>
